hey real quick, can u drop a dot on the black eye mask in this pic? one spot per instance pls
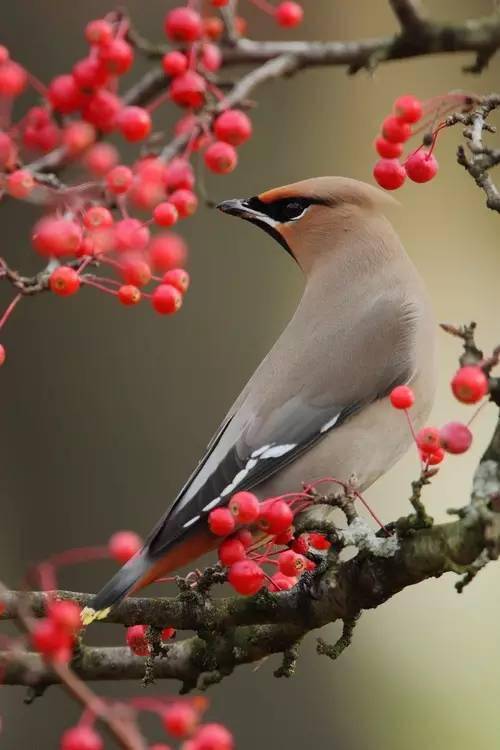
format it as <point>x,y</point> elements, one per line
<point>266,215</point>
<point>284,209</point>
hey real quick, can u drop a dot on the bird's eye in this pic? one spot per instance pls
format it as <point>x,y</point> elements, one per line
<point>293,210</point>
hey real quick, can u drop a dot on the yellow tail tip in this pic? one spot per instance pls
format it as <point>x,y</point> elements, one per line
<point>89,615</point>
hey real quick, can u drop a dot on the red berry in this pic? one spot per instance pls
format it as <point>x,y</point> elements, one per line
<point>77,136</point>
<point>129,295</point>
<point>166,299</point>
<point>290,563</point>
<point>123,545</point>
<point>213,737</point>
<point>455,437</point>
<point>66,615</point>
<point>97,217</point>
<point>52,236</point>
<point>101,109</point>
<point>90,73</point>
<point>13,79</point>
<point>130,234</point>
<point>167,251</point>
<point>188,89</point>
<point>183,25</point>
<point>101,158</point>
<point>64,94</point>
<point>180,719</point>
<point>432,459</point>
<point>221,521</point>
<point>119,179</point>
<point>185,202</point>
<point>64,281</point>
<point>213,27</point>
<point>469,385</point>
<point>7,149</point>
<point>421,166</point>
<point>117,56</point>
<point>40,131</point>
<point>179,175</point>
<point>275,516</point>
<point>174,63</point>
<point>221,157</point>
<point>319,541</point>
<point>281,582</point>
<point>48,638</point>
<point>20,183</point>
<point>285,537</point>
<point>245,537</point>
<point>137,641</point>
<point>408,108</point>
<point>395,130</point>
<point>165,214</point>
<point>219,3</point>
<point>389,173</point>
<point>167,634</point>
<point>245,507</point>
<point>3,354</point>
<point>289,14</point>
<point>230,551</point>
<point>428,439</point>
<point>402,397</point>
<point>233,126</point>
<point>81,738</point>
<point>301,544</point>
<point>388,150</point>
<point>246,577</point>
<point>98,32</point>
<point>134,123</point>
<point>177,277</point>
<point>136,271</point>
<point>211,57</point>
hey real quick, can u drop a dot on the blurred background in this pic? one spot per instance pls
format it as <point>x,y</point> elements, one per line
<point>105,410</point>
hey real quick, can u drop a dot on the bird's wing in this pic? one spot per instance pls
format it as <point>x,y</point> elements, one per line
<point>241,457</point>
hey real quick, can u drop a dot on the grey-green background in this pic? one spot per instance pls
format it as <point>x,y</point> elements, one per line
<point>104,411</point>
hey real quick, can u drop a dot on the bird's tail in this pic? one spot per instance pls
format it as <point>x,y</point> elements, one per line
<point>117,588</point>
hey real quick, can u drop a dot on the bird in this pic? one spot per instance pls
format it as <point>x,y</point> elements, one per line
<point>318,404</point>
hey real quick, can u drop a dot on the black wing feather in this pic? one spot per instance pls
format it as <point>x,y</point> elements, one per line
<point>303,434</point>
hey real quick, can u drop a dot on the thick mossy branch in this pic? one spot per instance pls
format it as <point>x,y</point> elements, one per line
<point>247,630</point>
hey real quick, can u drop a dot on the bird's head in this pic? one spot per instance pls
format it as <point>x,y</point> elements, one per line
<point>306,217</point>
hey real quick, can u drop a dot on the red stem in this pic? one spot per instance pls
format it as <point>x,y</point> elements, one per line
<point>9,310</point>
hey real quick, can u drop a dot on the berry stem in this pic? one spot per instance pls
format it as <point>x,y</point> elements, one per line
<point>10,309</point>
<point>476,412</point>
<point>264,6</point>
<point>89,280</point>
<point>39,87</point>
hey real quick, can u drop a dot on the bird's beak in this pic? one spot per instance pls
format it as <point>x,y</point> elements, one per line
<point>241,207</point>
<point>250,209</point>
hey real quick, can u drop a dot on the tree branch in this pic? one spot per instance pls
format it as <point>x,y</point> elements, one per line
<point>410,13</point>
<point>418,37</point>
<point>234,630</point>
<point>477,157</point>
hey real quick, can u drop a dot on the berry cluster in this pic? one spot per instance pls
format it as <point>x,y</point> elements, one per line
<point>180,719</point>
<point>261,533</point>
<point>469,386</point>
<point>90,223</point>
<point>54,636</point>
<point>409,117</point>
